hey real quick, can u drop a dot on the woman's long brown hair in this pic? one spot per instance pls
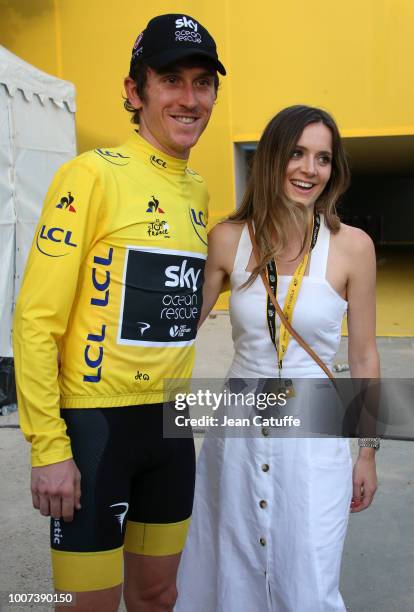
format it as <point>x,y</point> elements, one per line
<point>264,201</point>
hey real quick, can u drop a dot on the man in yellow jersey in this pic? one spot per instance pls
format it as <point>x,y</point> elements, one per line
<point>113,285</point>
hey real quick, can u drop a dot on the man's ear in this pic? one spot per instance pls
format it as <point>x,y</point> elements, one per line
<point>131,93</point>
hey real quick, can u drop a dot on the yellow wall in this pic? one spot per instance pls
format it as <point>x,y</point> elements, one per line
<point>354,58</point>
<point>89,43</point>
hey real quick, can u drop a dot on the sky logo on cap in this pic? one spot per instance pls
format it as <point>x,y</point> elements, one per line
<point>186,23</point>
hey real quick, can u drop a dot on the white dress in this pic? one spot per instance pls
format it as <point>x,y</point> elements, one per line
<point>270,514</point>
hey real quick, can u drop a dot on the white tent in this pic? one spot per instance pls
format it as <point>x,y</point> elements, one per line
<point>37,135</point>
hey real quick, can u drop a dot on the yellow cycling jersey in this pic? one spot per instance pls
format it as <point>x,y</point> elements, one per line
<point>114,284</point>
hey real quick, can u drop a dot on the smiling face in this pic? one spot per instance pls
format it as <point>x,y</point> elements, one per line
<point>176,108</point>
<point>310,165</point>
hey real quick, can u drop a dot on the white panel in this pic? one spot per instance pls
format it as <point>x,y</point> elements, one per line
<point>38,155</point>
<point>4,118</point>
<point>33,173</point>
<point>6,163</point>
<point>42,127</point>
<point>6,287</point>
<point>18,75</point>
<point>36,137</point>
<point>7,228</point>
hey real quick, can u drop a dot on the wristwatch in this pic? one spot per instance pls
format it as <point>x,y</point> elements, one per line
<point>369,443</point>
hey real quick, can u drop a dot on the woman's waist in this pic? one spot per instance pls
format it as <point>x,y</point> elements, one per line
<point>245,366</point>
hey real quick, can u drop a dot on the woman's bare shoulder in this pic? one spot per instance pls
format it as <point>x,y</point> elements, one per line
<point>354,240</point>
<point>223,241</point>
<point>226,233</point>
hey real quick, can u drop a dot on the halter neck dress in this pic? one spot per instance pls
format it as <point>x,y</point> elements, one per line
<point>270,514</point>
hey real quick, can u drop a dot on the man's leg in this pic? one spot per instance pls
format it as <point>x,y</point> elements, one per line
<point>106,600</point>
<point>150,582</point>
<point>87,553</point>
<point>161,501</point>
<point>94,579</point>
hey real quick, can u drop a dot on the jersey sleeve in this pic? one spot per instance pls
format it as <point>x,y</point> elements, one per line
<point>71,221</point>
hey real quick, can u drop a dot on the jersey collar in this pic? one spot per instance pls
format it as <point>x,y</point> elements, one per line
<point>157,158</point>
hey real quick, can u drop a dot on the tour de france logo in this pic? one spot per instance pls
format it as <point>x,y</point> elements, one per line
<point>158,226</point>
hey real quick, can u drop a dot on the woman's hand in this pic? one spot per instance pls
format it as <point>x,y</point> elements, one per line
<point>364,480</point>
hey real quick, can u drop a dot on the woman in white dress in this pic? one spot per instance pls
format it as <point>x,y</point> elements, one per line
<point>270,514</point>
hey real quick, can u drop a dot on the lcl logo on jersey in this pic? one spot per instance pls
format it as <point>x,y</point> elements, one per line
<point>100,299</point>
<point>199,223</point>
<point>158,162</point>
<point>51,241</point>
<point>113,157</point>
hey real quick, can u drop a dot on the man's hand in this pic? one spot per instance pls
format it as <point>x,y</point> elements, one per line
<point>364,480</point>
<point>56,489</point>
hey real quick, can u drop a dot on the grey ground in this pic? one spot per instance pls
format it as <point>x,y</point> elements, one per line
<point>378,563</point>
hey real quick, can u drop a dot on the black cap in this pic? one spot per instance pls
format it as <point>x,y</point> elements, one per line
<point>168,38</point>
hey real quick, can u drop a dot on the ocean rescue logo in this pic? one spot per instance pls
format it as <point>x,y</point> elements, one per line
<point>189,35</point>
<point>55,241</point>
<point>162,297</point>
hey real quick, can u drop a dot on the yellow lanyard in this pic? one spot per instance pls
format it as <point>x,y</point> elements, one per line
<point>289,307</point>
<point>293,293</point>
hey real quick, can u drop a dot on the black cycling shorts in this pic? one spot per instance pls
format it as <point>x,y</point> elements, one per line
<point>137,493</point>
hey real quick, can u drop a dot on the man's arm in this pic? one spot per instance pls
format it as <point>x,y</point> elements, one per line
<point>65,233</point>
